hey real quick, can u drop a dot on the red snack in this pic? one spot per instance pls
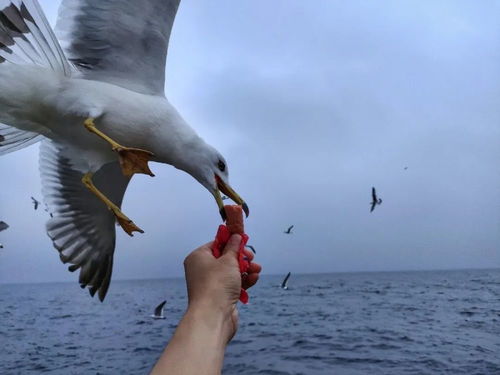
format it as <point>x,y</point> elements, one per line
<point>234,225</point>
<point>234,221</point>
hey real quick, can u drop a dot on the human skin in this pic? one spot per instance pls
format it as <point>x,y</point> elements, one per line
<point>211,319</point>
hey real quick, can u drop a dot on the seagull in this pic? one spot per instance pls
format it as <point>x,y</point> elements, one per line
<point>158,314</point>
<point>3,225</point>
<point>289,230</point>
<point>251,248</point>
<point>94,96</point>
<point>375,200</point>
<point>406,168</point>
<point>35,203</point>
<point>284,284</point>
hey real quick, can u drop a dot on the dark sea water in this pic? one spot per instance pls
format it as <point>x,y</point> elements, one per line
<point>440,322</point>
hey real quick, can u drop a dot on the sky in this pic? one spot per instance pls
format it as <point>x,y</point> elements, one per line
<point>312,103</point>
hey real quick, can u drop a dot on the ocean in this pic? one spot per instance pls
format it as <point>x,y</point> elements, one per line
<point>436,322</point>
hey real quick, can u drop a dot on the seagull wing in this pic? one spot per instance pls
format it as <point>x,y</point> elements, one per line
<point>374,203</point>
<point>159,308</point>
<point>123,42</point>
<point>285,281</point>
<point>82,229</point>
<point>374,195</point>
<point>3,225</point>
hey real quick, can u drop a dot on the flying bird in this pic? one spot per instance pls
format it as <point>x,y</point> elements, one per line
<point>94,96</point>
<point>284,284</point>
<point>3,225</point>
<point>289,230</point>
<point>158,313</point>
<point>406,168</point>
<point>35,203</point>
<point>375,200</point>
<point>251,248</point>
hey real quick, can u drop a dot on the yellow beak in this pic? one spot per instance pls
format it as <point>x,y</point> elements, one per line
<point>227,190</point>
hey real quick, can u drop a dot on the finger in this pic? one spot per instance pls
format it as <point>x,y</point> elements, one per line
<point>250,280</point>
<point>232,246</point>
<point>254,268</point>
<point>248,254</point>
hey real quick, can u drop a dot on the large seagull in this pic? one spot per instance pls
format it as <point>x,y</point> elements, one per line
<point>95,99</point>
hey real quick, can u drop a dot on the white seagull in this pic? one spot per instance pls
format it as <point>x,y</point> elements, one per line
<point>95,98</point>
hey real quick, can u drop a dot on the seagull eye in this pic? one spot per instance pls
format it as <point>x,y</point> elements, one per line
<point>221,165</point>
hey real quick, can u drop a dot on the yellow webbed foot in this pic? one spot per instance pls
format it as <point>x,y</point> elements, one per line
<point>127,225</point>
<point>134,160</point>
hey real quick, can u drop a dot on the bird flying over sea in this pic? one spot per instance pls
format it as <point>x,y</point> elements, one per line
<point>3,225</point>
<point>375,200</point>
<point>94,97</point>
<point>35,203</point>
<point>289,230</point>
<point>284,284</point>
<point>251,248</point>
<point>158,314</point>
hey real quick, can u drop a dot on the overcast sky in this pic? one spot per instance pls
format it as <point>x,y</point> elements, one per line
<point>312,103</point>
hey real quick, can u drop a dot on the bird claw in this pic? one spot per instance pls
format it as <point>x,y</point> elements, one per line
<point>134,160</point>
<point>127,225</point>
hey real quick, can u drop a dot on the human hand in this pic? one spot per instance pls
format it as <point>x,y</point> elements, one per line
<point>214,284</point>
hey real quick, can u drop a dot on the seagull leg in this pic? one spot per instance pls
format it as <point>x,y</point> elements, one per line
<point>127,224</point>
<point>132,160</point>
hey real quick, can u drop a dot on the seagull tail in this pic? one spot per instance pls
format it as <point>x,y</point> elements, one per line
<point>26,39</point>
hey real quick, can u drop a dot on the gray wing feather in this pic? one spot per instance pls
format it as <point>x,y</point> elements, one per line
<point>3,225</point>
<point>82,229</point>
<point>123,42</point>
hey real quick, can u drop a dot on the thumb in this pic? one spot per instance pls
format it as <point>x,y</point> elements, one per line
<point>232,246</point>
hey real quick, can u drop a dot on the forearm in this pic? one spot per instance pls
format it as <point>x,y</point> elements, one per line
<point>197,346</point>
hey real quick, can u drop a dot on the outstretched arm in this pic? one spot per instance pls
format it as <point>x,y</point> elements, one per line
<point>211,319</point>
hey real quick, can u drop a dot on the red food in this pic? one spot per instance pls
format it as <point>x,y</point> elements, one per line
<point>234,221</point>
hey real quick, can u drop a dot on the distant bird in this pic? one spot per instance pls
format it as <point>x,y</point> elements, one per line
<point>284,284</point>
<point>289,230</point>
<point>158,314</point>
<point>1,246</point>
<point>224,197</point>
<point>375,200</point>
<point>251,248</point>
<point>35,203</point>
<point>3,225</point>
<point>406,168</point>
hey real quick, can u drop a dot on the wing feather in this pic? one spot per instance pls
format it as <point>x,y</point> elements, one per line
<point>82,229</point>
<point>123,42</point>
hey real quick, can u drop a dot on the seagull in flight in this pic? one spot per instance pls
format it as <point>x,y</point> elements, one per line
<point>251,248</point>
<point>35,203</point>
<point>92,92</point>
<point>289,230</point>
<point>158,314</point>
<point>284,284</point>
<point>375,200</point>
<point>3,225</point>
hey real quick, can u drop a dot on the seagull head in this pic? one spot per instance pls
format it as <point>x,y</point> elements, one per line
<point>210,169</point>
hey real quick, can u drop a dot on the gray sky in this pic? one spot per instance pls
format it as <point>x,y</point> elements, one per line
<point>312,103</point>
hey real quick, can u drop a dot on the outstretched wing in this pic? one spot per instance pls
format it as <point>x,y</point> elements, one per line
<point>285,281</point>
<point>123,42</point>
<point>374,203</point>
<point>374,195</point>
<point>159,308</point>
<point>82,229</point>
<point>3,225</point>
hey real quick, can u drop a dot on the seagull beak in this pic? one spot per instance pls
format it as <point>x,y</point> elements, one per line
<point>227,190</point>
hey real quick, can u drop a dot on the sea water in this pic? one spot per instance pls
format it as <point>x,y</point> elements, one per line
<point>436,322</point>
